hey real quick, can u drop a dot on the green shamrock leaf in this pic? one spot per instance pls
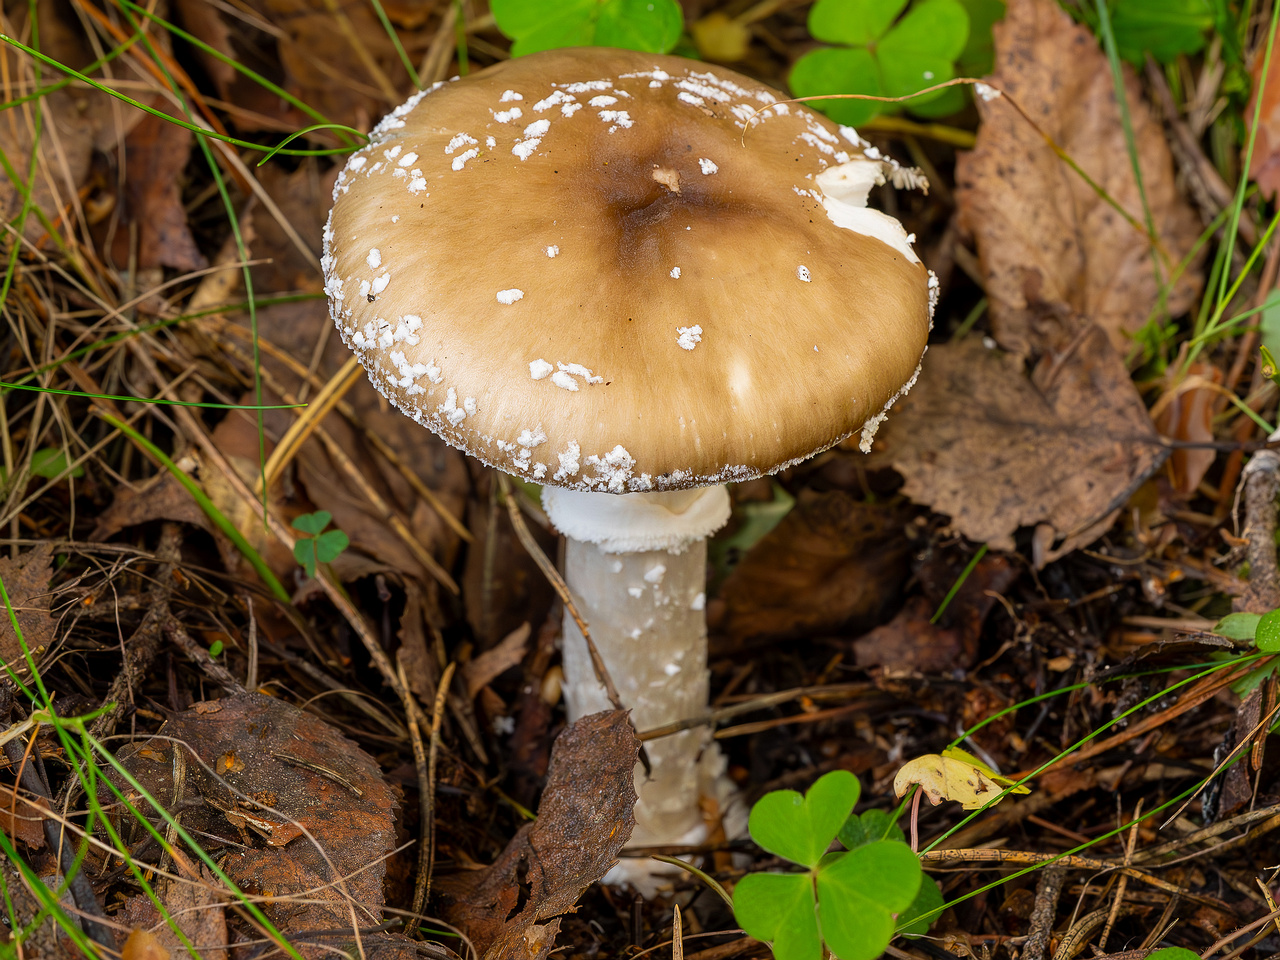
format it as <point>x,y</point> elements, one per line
<point>863,891</point>
<point>926,902</point>
<point>849,900</point>
<point>50,463</point>
<point>1173,953</point>
<point>313,523</point>
<point>320,546</point>
<point>1267,634</point>
<point>1238,626</point>
<point>872,825</point>
<point>653,26</point>
<point>878,54</point>
<point>801,828</point>
<point>1163,28</point>
<point>779,908</point>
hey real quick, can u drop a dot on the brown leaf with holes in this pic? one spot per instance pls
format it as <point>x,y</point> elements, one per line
<point>306,814</point>
<point>1042,233</point>
<point>583,820</point>
<point>833,561</point>
<point>26,582</point>
<point>155,156</point>
<point>994,449</point>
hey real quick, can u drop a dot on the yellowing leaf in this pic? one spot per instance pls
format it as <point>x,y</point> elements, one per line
<point>720,38</point>
<point>955,753</point>
<point>947,778</point>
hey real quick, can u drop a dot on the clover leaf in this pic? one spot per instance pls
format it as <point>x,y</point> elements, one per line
<point>871,825</point>
<point>1163,28</point>
<point>1173,953</point>
<point>1267,634</point>
<point>319,546</point>
<point>878,54</point>
<point>653,26</point>
<point>848,900</point>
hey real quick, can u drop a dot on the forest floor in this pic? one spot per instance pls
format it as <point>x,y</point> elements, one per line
<point>1034,560</point>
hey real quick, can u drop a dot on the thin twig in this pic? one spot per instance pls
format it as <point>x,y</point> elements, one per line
<point>437,718</point>
<point>561,588</point>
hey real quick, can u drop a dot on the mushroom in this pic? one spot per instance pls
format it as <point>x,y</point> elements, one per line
<point>630,278</point>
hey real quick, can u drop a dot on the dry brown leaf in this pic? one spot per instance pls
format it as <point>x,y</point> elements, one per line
<point>995,450</point>
<point>26,581</point>
<point>75,121</point>
<point>584,819</point>
<point>204,21</point>
<point>21,818</point>
<point>832,561</point>
<point>1264,166</point>
<point>309,775</point>
<point>156,153</point>
<point>196,905</point>
<point>142,945</point>
<point>493,663</point>
<point>163,498</point>
<point>1185,413</point>
<point>1042,233</point>
<point>321,54</point>
<point>910,643</point>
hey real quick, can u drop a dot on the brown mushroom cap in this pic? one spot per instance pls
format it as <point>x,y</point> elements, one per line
<point>571,266</point>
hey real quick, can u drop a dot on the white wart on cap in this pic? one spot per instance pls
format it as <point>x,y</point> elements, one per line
<point>574,268</point>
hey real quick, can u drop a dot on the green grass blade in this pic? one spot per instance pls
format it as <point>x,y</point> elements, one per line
<point>157,400</point>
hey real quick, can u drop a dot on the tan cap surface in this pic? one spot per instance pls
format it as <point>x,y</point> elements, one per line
<point>571,267</point>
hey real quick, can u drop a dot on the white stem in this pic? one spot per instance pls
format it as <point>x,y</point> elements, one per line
<point>645,610</point>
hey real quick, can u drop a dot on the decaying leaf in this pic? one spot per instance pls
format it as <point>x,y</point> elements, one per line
<point>155,155</point>
<point>1039,227</point>
<point>197,905</point>
<point>70,122</point>
<point>1264,165</point>
<point>20,818</point>
<point>583,820</point>
<point>143,945</point>
<point>961,778</point>
<point>1185,412</point>
<point>306,814</point>
<point>995,450</point>
<point>492,663</point>
<point>26,581</point>
<point>831,561</point>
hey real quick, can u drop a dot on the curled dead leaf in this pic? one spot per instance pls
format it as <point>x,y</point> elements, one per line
<point>959,778</point>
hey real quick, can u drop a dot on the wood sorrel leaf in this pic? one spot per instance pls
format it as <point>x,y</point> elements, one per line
<point>860,894</point>
<point>872,825</point>
<point>1267,634</point>
<point>779,908</point>
<point>801,828</point>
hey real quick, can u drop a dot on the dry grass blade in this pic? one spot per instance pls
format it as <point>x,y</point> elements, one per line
<point>557,582</point>
<point>307,421</point>
<point>343,407</point>
<point>422,888</point>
